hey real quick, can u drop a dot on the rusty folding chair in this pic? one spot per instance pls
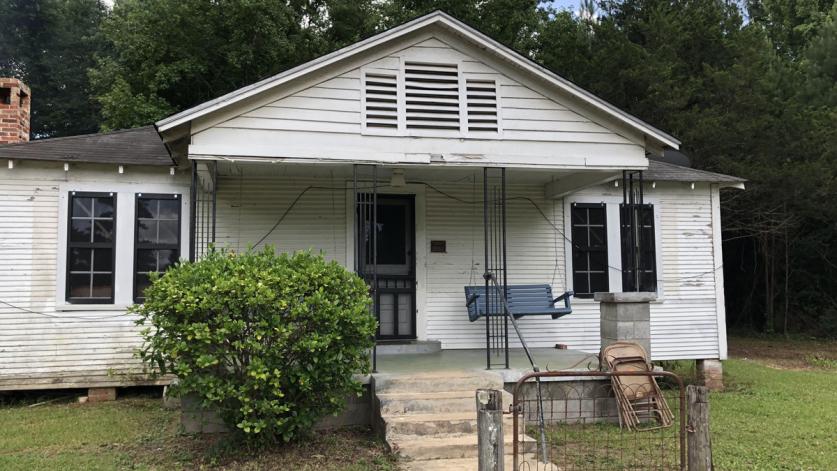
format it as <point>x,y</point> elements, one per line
<point>638,397</point>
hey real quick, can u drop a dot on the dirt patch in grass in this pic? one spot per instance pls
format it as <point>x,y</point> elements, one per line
<point>794,354</point>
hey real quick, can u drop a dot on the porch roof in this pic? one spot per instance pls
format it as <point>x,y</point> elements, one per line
<point>663,171</point>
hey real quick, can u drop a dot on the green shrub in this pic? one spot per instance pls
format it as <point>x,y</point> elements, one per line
<point>271,341</point>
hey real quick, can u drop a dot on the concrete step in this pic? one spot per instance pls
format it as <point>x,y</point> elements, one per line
<point>430,402</point>
<point>410,347</point>
<point>432,424</point>
<point>437,381</point>
<point>472,464</point>
<point>443,446</point>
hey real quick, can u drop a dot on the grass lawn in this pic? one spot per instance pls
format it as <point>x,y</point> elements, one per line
<point>780,407</point>
<point>138,433</point>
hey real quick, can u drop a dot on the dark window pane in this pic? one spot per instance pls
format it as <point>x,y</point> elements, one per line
<point>598,282</point>
<point>82,207</point>
<point>79,259</point>
<point>597,237</point>
<point>102,286</point>
<point>579,236</point>
<point>80,230</point>
<point>168,232</point>
<point>579,260</point>
<point>141,282</point>
<point>598,261</point>
<point>596,216</point>
<point>169,209</point>
<point>147,231</point>
<point>166,258</point>
<point>146,260</point>
<point>103,207</point>
<point>146,209</point>
<point>392,235</point>
<point>103,260</point>
<point>579,215</point>
<point>79,285</point>
<point>580,283</point>
<point>103,231</point>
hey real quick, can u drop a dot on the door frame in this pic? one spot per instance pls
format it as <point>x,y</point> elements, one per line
<point>420,242</point>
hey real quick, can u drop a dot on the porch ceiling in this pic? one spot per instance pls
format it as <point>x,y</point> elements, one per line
<point>560,179</point>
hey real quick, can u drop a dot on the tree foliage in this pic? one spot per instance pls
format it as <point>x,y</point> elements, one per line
<point>168,55</point>
<point>272,341</point>
<point>50,45</point>
<point>748,86</point>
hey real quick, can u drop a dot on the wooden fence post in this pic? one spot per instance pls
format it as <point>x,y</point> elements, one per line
<point>490,429</point>
<point>697,428</point>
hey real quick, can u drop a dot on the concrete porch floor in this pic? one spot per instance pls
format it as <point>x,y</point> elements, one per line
<point>465,360</point>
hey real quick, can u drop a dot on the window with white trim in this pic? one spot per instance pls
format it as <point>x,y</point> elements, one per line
<point>639,271</point>
<point>589,249</point>
<point>157,238</point>
<point>91,240</point>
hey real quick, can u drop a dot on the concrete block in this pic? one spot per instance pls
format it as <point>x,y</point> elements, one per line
<point>642,329</point>
<point>101,394</point>
<point>710,373</point>
<point>625,330</point>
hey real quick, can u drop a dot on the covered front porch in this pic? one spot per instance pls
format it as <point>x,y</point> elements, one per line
<point>438,228</point>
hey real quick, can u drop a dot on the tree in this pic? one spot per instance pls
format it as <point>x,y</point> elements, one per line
<point>168,55</point>
<point>50,44</point>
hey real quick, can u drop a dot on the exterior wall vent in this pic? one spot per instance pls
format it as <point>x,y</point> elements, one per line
<point>431,94</point>
<point>482,105</point>
<point>381,104</point>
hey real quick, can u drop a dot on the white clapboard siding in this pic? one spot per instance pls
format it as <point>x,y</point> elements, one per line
<point>684,323</point>
<point>335,106</point>
<point>49,347</point>
<point>248,208</point>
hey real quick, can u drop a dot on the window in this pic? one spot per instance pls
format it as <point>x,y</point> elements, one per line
<point>639,265</point>
<point>589,249</point>
<point>90,248</point>
<point>157,238</point>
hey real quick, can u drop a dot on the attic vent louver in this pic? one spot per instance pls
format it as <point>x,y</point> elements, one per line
<point>482,105</point>
<point>381,100</point>
<point>432,96</point>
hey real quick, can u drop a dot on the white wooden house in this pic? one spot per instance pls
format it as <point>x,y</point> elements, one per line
<point>419,112</point>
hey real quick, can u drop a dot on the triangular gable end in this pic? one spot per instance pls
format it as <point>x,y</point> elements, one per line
<point>450,38</point>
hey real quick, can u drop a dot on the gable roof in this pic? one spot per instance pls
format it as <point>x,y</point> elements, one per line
<point>138,146</point>
<point>443,20</point>
<point>664,171</point>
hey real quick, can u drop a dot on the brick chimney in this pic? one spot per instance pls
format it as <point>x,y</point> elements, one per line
<point>14,111</point>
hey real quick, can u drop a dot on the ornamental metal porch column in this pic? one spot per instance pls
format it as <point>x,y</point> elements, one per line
<point>366,237</point>
<point>202,204</point>
<point>495,276</point>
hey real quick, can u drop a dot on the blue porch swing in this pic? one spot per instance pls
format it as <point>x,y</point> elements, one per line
<point>522,300</point>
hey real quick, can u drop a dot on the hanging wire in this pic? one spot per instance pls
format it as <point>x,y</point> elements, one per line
<point>55,316</point>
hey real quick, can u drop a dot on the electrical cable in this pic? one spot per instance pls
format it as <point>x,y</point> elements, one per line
<point>54,316</point>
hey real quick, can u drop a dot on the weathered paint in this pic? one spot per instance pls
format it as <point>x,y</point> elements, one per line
<point>63,345</point>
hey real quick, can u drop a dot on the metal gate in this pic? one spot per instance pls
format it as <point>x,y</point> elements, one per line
<point>583,428</point>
